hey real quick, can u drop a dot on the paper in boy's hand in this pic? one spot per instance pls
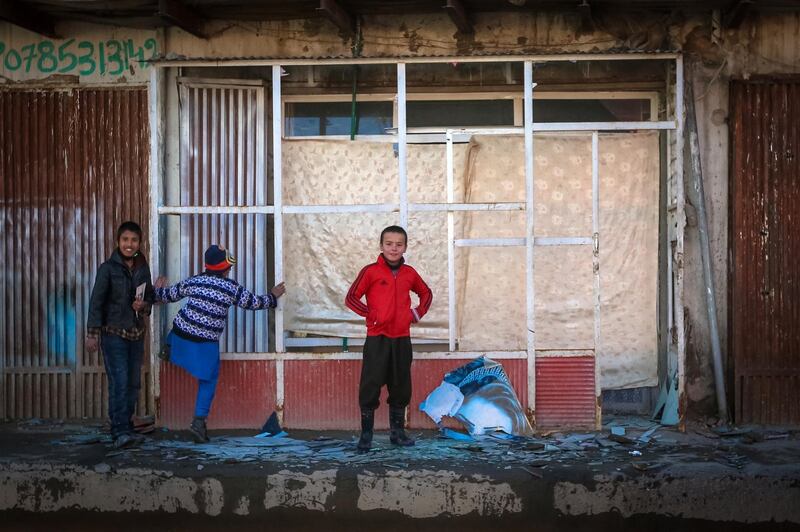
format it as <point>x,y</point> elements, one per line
<point>140,291</point>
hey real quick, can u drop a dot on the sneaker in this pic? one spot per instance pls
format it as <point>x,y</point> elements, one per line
<point>198,430</point>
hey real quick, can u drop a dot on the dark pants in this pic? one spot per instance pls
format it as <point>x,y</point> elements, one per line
<point>386,361</point>
<point>123,361</point>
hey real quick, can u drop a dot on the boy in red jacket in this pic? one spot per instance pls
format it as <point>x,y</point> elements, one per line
<point>387,350</point>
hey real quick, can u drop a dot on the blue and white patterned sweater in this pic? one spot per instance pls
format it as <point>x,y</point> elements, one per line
<point>210,296</point>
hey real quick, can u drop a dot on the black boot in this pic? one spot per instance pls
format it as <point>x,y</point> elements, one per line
<point>397,420</point>
<point>198,430</point>
<point>367,425</point>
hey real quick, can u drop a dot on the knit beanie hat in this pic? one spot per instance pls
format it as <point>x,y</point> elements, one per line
<point>218,259</point>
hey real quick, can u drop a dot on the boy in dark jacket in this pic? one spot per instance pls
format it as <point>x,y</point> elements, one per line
<point>121,297</point>
<point>386,284</point>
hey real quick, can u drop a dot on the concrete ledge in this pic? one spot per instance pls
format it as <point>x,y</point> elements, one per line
<point>419,494</point>
<point>74,478</point>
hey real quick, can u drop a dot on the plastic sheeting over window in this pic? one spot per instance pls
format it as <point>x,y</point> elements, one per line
<point>323,253</point>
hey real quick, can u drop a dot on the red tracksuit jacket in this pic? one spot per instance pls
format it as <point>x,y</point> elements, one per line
<point>388,310</point>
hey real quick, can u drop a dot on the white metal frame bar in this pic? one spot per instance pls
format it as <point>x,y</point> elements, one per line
<point>596,271</point>
<point>514,96</point>
<point>184,209</point>
<point>451,264</point>
<point>280,358</point>
<point>529,232</point>
<point>488,242</point>
<point>277,195</point>
<point>402,147</point>
<point>157,119</point>
<point>563,241</point>
<point>452,207</point>
<point>262,332</point>
<point>346,61</point>
<point>338,341</point>
<point>277,167</point>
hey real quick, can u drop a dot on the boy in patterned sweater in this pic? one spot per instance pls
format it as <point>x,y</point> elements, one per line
<point>194,339</point>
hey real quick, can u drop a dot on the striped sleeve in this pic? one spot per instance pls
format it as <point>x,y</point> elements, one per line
<point>171,294</point>
<point>249,301</point>
<point>357,291</point>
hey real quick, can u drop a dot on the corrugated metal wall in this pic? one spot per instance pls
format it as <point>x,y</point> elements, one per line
<point>74,165</point>
<point>764,279</point>
<point>323,394</point>
<point>565,392</point>
<point>222,164</point>
<point>223,152</point>
<point>245,395</point>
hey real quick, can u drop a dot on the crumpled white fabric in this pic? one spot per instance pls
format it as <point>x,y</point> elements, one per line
<point>445,400</point>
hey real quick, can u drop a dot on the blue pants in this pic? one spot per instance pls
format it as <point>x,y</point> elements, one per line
<point>123,362</point>
<point>205,395</point>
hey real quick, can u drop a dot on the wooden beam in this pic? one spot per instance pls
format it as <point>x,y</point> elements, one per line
<point>734,17</point>
<point>459,16</point>
<point>27,17</point>
<point>585,11</point>
<point>336,14</point>
<point>177,14</point>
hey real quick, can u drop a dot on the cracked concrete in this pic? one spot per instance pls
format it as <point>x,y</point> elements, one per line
<point>678,482</point>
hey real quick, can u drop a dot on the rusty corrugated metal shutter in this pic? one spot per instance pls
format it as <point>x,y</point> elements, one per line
<point>223,165</point>
<point>223,150</point>
<point>764,281</point>
<point>245,395</point>
<point>323,394</point>
<point>565,392</point>
<point>74,165</point>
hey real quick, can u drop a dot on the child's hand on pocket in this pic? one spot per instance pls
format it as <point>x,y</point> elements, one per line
<point>138,305</point>
<point>91,344</point>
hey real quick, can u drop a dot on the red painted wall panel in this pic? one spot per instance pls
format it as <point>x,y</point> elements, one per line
<point>323,394</point>
<point>318,394</point>
<point>245,395</point>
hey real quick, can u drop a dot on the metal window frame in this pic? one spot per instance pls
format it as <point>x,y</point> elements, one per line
<point>674,127</point>
<point>515,96</point>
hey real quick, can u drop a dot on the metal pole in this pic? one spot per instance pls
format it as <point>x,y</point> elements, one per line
<point>277,198</point>
<point>402,147</point>
<point>680,216</point>
<point>156,108</point>
<point>261,284</point>
<point>451,267</point>
<point>699,201</point>
<point>596,273</point>
<point>529,227</point>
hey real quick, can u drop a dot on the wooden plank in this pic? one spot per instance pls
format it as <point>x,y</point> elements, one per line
<point>27,17</point>
<point>177,14</point>
<point>585,12</point>
<point>459,15</point>
<point>733,18</point>
<point>336,14</point>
